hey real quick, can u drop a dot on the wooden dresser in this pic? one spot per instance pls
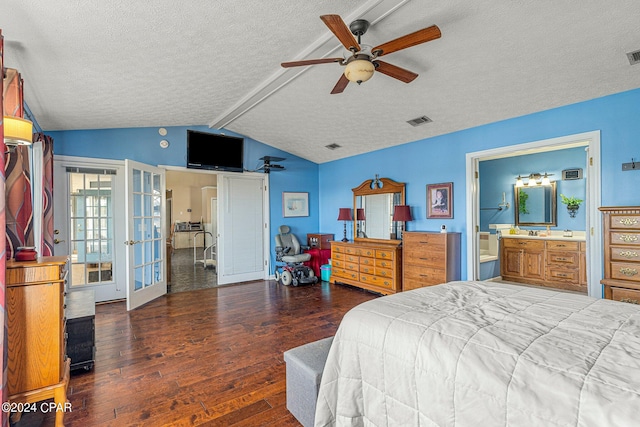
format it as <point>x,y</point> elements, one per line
<point>429,259</point>
<point>37,366</point>
<point>376,266</point>
<point>621,227</point>
<point>554,263</point>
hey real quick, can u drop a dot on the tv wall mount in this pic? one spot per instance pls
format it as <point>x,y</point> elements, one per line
<point>268,165</point>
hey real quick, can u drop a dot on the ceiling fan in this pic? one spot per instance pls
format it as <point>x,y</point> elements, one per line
<point>362,62</point>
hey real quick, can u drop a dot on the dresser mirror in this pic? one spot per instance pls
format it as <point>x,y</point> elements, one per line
<point>373,203</point>
<point>535,206</point>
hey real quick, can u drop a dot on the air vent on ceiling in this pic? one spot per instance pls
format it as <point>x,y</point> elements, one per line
<point>419,121</point>
<point>634,57</point>
<point>333,146</point>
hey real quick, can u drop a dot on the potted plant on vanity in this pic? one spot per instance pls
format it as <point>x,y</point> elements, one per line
<point>573,203</point>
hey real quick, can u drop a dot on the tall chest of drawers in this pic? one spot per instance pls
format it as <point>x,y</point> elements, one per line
<point>430,258</point>
<point>37,366</point>
<point>621,227</point>
<point>373,266</point>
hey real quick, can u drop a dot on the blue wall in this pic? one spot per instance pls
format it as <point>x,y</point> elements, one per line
<point>442,159</point>
<point>142,145</point>
<point>432,160</point>
<point>498,176</point>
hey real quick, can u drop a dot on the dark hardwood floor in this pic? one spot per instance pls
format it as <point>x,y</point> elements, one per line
<point>210,357</point>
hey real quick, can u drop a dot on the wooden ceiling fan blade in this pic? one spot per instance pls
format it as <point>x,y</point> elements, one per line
<point>310,62</point>
<point>413,39</point>
<point>341,85</point>
<point>341,31</point>
<point>395,71</point>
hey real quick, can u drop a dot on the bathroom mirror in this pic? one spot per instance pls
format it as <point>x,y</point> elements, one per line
<point>374,201</point>
<point>535,206</point>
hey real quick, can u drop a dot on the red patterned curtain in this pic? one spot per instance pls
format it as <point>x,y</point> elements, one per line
<point>47,193</point>
<point>3,258</point>
<point>19,210</point>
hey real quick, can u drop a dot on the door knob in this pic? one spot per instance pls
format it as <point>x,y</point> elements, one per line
<point>57,241</point>
<point>132,242</point>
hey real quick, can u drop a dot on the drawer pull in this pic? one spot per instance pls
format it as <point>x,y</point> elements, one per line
<point>561,246</point>
<point>561,274</point>
<point>628,221</point>
<point>628,238</point>
<point>628,271</point>
<point>629,300</point>
<point>561,259</point>
<point>628,254</point>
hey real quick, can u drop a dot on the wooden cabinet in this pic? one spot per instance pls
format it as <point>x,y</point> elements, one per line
<point>37,368</point>
<point>545,262</point>
<point>429,259</point>
<point>373,266</point>
<point>522,260</point>
<point>319,241</point>
<point>621,227</point>
<point>563,261</point>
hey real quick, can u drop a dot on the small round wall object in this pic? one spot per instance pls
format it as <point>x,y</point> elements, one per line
<point>162,132</point>
<point>164,143</point>
<point>443,228</point>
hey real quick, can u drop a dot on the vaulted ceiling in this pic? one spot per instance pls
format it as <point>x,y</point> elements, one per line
<point>115,64</point>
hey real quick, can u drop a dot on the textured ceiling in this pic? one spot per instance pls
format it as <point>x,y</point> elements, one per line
<point>97,64</point>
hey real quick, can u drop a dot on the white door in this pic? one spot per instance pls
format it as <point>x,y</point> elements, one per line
<point>145,244</point>
<point>242,231</point>
<point>89,224</point>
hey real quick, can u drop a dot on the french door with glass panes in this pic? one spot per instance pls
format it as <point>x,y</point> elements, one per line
<point>145,244</point>
<point>86,218</point>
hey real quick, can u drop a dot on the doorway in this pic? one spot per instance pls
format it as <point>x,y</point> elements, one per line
<point>89,222</point>
<point>591,142</point>
<point>229,212</point>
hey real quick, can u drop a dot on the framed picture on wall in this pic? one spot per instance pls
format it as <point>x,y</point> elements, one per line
<point>440,200</point>
<point>295,204</point>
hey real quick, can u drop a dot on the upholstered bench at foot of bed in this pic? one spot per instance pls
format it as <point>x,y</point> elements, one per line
<point>304,372</point>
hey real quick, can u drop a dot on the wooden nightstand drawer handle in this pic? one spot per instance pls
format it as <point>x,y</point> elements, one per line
<point>628,221</point>
<point>628,254</point>
<point>629,300</point>
<point>628,271</point>
<point>628,238</point>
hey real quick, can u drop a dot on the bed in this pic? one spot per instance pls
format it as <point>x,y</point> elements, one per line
<point>484,354</point>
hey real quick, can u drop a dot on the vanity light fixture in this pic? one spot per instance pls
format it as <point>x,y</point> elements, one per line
<point>519,182</point>
<point>545,180</point>
<point>535,179</point>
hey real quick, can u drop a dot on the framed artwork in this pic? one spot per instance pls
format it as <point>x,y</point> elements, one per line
<point>440,200</point>
<point>295,204</point>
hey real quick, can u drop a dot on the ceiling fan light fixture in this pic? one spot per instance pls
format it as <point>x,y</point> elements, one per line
<point>359,70</point>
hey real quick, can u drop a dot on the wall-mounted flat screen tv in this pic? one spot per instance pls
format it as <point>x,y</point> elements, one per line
<point>214,152</point>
